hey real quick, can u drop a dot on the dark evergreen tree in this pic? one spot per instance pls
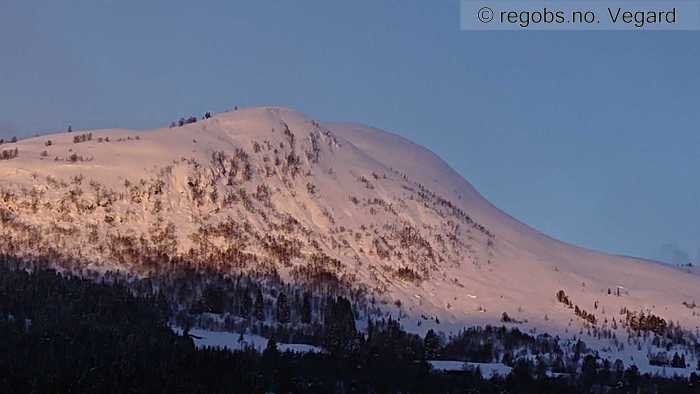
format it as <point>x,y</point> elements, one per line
<point>340,331</point>
<point>306,309</point>
<point>678,361</point>
<point>246,307</point>
<point>618,369</point>
<point>632,378</point>
<point>432,345</point>
<point>507,358</point>
<point>540,370</point>
<point>282,309</point>
<point>213,300</point>
<point>522,373</point>
<point>588,372</point>
<point>259,305</point>
<point>270,363</point>
<point>271,351</point>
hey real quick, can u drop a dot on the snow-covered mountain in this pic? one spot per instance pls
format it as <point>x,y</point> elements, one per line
<point>271,190</point>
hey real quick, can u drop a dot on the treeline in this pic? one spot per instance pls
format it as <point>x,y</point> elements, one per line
<point>662,359</point>
<point>64,334</point>
<point>61,335</point>
<point>493,344</point>
<point>262,304</point>
<point>641,322</point>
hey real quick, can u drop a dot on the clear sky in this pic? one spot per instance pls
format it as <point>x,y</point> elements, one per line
<point>591,137</point>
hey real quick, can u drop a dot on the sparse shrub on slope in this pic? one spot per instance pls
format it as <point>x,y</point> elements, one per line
<point>82,138</point>
<point>9,154</point>
<point>580,312</point>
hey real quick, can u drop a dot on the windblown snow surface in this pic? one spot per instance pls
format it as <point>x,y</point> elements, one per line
<point>272,189</point>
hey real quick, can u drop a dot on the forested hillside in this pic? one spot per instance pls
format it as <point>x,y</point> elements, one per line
<point>64,334</point>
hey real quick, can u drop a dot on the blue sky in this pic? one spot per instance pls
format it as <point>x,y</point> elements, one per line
<point>591,137</point>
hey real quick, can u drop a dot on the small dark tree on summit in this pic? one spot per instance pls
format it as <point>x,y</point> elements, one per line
<point>70,129</point>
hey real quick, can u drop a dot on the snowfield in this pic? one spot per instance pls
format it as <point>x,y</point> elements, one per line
<point>232,341</point>
<point>270,189</point>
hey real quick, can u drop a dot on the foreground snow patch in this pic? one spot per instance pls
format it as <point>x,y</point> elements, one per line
<point>488,370</point>
<point>232,341</point>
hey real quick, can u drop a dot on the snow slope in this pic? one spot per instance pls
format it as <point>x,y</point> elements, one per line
<point>527,252</point>
<point>269,189</point>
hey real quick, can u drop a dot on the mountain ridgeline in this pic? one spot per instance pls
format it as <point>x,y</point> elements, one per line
<point>256,219</point>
